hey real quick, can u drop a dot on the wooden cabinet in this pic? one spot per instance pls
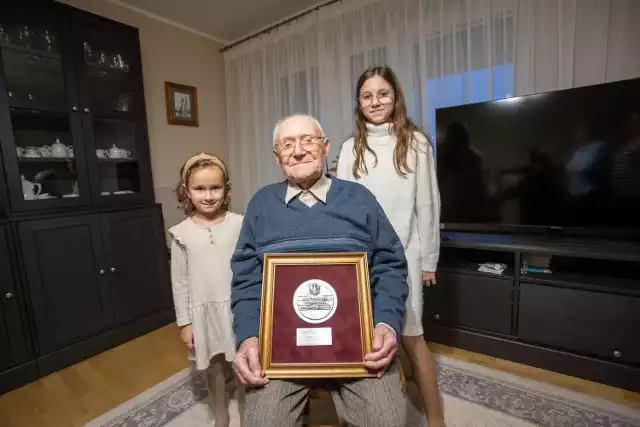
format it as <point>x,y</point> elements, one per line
<point>17,366</point>
<point>471,301</point>
<point>89,273</point>
<point>13,336</point>
<point>590,323</point>
<point>76,191</point>
<point>136,263</point>
<point>70,297</point>
<point>579,318</point>
<point>72,118</point>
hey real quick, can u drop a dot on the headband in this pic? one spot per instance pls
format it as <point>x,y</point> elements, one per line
<point>202,156</point>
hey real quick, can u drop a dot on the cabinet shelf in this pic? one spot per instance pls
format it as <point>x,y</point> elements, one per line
<point>105,71</point>
<point>34,52</point>
<point>46,159</point>
<point>467,260</point>
<point>107,161</point>
<point>472,270</point>
<point>565,246</point>
<point>117,193</point>
<point>587,282</point>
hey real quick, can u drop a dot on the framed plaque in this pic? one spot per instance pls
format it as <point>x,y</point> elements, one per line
<point>315,317</point>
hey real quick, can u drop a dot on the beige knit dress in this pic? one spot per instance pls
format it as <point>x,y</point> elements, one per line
<point>201,281</point>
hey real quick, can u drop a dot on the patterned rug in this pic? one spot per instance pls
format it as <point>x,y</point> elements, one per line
<point>474,396</point>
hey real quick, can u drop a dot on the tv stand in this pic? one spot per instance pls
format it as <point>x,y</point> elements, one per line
<point>581,319</point>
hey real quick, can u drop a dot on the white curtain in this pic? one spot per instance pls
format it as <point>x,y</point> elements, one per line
<point>445,52</point>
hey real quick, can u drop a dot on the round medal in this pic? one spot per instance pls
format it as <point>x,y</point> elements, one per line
<point>315,301</point>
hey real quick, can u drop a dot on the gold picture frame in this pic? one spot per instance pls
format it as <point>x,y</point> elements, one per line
<point>323,369</point>
<point>181,104</point>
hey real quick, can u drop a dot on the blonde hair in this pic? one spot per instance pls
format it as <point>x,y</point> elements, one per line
<point>193,164</point>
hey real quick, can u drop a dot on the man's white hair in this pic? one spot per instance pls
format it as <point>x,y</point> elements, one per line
<point>276,129</point>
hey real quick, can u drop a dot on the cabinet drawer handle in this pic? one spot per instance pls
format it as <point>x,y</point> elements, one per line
<point>617,354</point>
<point>86,110</point>
<point>8,295</point>
<point>31,97</point>
<point>436,316</point>
<point>101,272</point>
<point>113,269</point>
<point>74,108</point>
<point>10,94</point>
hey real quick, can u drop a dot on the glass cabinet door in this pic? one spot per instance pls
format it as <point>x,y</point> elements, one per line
<point>45,149</point>
<point>112,104</point>
<point>32,58</point>
<point>117,157</point>
<point>110,74</point>
<point>39,128</point>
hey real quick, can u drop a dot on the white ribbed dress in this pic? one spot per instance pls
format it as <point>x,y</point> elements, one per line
<point>412,205</point>
<point>201,281</point>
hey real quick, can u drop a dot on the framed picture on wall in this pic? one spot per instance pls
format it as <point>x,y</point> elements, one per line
<point>182,104</point>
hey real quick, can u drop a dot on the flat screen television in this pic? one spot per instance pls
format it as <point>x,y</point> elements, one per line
<point>567,161</point>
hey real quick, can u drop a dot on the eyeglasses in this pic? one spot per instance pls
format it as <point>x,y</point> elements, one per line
<point>307,142</point>
<point>383,98</point>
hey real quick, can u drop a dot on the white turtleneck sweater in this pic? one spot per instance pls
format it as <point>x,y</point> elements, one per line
<point>412,203</point>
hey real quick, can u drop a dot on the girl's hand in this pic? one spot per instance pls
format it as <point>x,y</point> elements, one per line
<point>186,333</point>
<point>429,278</point>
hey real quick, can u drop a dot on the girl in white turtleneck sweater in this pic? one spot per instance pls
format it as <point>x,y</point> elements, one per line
<point>393,159</point>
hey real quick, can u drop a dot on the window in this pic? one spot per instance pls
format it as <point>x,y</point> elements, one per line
<point>300,93</point>
<point>363,60</point>
<point>458,72</point>
<point>471,87</point>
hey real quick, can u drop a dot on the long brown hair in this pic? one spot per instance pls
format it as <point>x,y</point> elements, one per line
<point>403,128</point>
<point>197,162</point>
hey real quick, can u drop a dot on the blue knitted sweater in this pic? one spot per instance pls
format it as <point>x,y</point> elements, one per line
<point>350,221</point>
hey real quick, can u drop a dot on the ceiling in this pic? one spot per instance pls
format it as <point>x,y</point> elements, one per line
<point>223,20</point>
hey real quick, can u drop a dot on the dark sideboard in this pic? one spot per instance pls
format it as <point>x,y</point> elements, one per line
<point>83,259</point>
<point>582,319</point>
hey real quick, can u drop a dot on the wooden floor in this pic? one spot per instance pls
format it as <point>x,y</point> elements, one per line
<point>82,392</point>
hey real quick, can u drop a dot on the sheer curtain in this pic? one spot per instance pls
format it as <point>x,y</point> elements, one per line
<point>445,52</point>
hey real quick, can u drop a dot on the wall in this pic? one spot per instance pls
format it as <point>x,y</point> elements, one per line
<point>172,54</point>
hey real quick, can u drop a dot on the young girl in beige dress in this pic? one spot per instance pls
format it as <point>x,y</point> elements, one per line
<point>201,249</point>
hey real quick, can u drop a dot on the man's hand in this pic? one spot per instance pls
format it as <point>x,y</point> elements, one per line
<point>385,345</point>
<point>429,278</point>
<point>186,333</point>
<point>246,364</point>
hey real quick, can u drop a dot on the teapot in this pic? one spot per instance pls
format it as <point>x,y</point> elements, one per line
<point>58,149</point>
<point>114,152</point>
<point>28,187</point>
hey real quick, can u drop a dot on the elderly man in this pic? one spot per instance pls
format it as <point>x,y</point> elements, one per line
<point>312,212</point>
